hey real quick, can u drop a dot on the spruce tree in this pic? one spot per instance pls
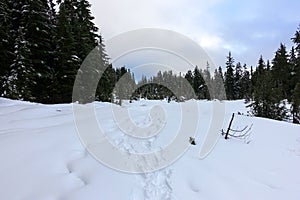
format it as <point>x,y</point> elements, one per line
<point>296,40</point>
<point>53,88</point>
<point>267,102</point>
<point>39,36</point>
<point>262,105</point>
<point>19,83</point>
<point>296,104</point>
<point>246,84</point>
<point>281,71</point>
<point>30,30</point>
<point>238,93</point>
<point>296,77</point>
<point>229,78</point>
<point>208,82</point>
<point>199,83</point>
<point>106,85</point>
<point>86,33</point>
<point>6,45</point>
<point>218,84</point>
<point>68,62</point>
<point>190,77</point>
<point>296,63</point>
<point>77,37</point>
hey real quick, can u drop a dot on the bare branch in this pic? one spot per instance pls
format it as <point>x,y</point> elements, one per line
<point>242,134</point>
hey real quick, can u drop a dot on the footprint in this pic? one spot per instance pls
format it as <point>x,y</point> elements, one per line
<point>193,186</point>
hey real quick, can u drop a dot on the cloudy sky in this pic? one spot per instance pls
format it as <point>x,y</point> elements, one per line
<point>246,28</point>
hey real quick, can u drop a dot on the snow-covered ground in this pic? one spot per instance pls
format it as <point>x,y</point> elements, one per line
<point>42,157</point>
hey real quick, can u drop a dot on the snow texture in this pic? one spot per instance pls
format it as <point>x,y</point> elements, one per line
<point>42,157</point>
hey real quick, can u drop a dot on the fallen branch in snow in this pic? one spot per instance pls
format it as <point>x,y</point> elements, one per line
<point>227,132</point>
<point>239,134</point>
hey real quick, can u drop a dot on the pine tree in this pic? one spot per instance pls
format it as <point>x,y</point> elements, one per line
<point>77,37</point>
<point>68,62</point>
<point>121,90</point>
<point>218,85</point>
<point>246,84</point>
<point>281,73</point>
<point>198,83</point>
<point>53,85</point>
<point>208,82</point>
<point>86,33</point>
<point>292,80</point>
<point>189,77</point>
<point>229,78</point>
<point>39,36</point>
<point>296,104</point>
<point>296,62</point>
<point>6,45</point>
<point>296,40</point>
<point>30,30</point>
<point>106,85</point>
<point>267,102</point>
<point>19,83</point>
<point>262,105</point>
<point>95,78</point>
<point>238,93</point>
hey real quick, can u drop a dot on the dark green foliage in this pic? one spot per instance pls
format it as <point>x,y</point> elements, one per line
<point>296,104</point>
<point>246,84</point>
<point>218,85</point>
<point>189,77</point>
<point>208,85</point>
<point>237,91</point>
<point>76,37</point>
<point>295,80</point>
<point>6,46</point>
<point>199,84</point>
<point>19,83</point>
<point>68,61</point>
<point>281,72</point>
<point>84,29</point>
<point>262,105</point>
<point>229,78</point>
<point>41,51</point>
<point>294,68</point>
<point>295,59</point>
<point>265,95</point>
<point>22,71</point>
<point>39,33</point>
<point>106,85</point>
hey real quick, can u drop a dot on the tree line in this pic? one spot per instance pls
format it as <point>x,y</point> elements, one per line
<point>42,48</point>
<point>272,88</point>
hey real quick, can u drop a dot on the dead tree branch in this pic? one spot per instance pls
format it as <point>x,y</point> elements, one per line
<point>243,134</point>
<point>227,132</point>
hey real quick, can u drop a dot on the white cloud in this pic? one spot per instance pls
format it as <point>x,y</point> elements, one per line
<point>211,41</point>
<point>217,25</point>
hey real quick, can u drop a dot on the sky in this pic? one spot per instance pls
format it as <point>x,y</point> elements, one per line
<point>246,28</point>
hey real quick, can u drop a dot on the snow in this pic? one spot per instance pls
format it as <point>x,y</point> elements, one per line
<point>42,157</point>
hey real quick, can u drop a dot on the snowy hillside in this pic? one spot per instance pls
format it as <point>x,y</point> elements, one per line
<point>42,157</point>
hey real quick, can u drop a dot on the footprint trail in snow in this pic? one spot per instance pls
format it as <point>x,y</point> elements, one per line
<point>149,186</point>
